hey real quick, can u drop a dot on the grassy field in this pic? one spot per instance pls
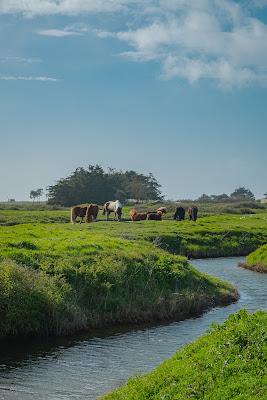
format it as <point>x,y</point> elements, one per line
<point>229,363</point>
<point>214,236</point>
<point>27,212</point>
<point>57,278</point>
<point>257,260</point>
<point>16,217</point>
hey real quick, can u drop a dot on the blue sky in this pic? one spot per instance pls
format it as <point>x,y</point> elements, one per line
<point>177,88</point>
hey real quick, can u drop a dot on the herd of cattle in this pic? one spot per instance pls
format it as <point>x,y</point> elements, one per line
<point>89,212</point>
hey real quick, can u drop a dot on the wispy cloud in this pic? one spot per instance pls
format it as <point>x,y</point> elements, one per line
<point>64,7</point>
<point>27,78</point>
<point>73,30</point>
<point>19,60</point>
<point>58,33</point>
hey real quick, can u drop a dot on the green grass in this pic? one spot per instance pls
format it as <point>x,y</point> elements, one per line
<point>60,278</point>
<point>229,363</point>
<point>27,212</point>
<point>257,261</point>
<point>29,206</point>
<point>75,277</point>
<point>15,217</point>
<point>214,236</point>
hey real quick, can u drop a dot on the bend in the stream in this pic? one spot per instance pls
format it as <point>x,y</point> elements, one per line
<point>85,367</point>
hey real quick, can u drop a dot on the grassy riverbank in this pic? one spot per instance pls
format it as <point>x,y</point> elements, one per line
<point>257,261</point>
<point>227,363</point>
<point>58,278</point>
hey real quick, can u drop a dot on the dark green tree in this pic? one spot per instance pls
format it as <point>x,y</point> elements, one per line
<point>33,195</point>
<point>36,194</point>
<point>204,198</point>
<point>39,193</point>
<point>220,197</point>
<point>95,185</point>
<point>241,194</point>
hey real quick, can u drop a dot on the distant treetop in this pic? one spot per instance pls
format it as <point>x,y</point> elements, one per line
<point>242,193</point>
<point>239,194</point>
<point>36,194</point>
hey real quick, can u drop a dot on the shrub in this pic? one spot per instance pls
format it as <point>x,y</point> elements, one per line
<point>32,302</point>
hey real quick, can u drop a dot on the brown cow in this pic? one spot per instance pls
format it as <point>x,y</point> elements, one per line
<point>135,216</point>
<point>163,210</point>
<point>91,214</point>
<point>155,216</point>
<point>88,211</point>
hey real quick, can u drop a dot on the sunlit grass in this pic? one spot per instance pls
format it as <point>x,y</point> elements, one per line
<point>257,260</point>
<point>213,236</point>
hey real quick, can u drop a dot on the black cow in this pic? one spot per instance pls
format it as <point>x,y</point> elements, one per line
<point>179,214</point>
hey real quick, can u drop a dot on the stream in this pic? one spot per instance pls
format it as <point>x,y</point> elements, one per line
<point>86,366</point>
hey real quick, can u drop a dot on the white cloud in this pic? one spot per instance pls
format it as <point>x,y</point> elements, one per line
<point>27,78</point>
<point>191,39</point>
<point>70,30</point>
<point>208,39</point>
<point>222,71</point>
<point>58,33</point>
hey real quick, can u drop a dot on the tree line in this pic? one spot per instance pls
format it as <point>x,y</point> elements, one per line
<point>239,194</point>
<point>95,185</point>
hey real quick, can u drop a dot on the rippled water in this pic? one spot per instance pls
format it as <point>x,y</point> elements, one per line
<point>85,367</point>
